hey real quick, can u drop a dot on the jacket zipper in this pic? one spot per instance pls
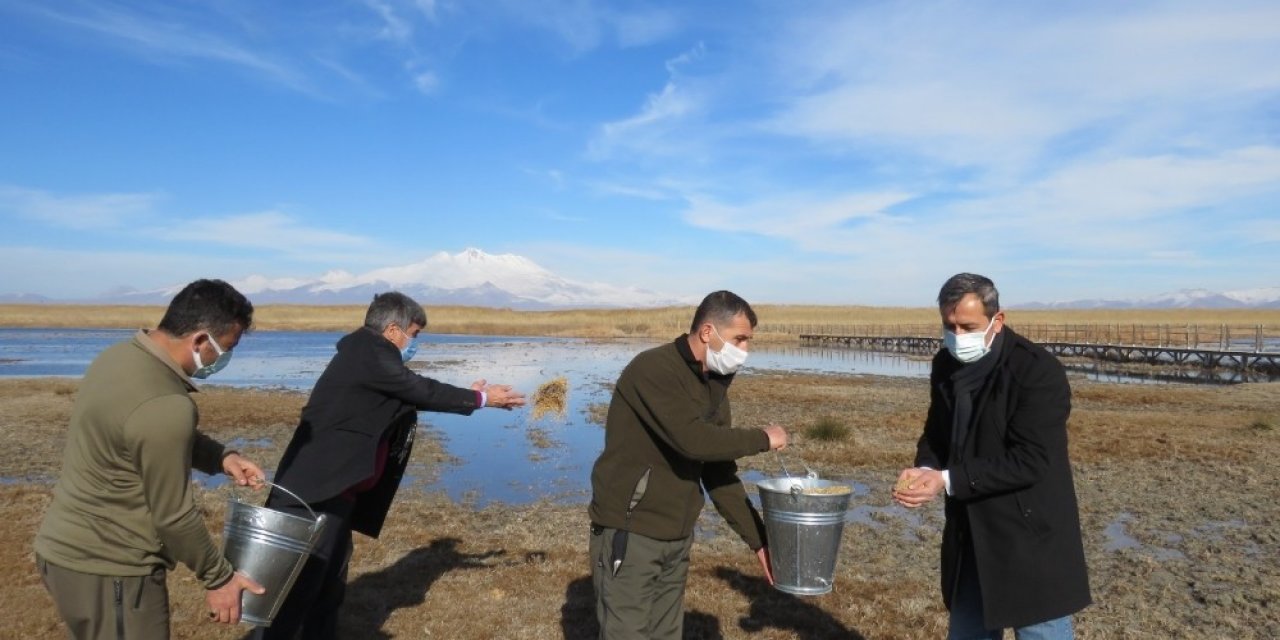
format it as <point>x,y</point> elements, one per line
<point>117,586</point>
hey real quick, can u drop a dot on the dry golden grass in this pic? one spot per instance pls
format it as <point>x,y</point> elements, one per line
<point>775,320</point>
<point>1183,468</point>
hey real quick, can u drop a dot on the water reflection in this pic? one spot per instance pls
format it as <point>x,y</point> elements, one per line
<point>495,455</point>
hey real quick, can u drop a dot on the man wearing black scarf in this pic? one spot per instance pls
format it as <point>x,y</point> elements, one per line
<point>995,441</point>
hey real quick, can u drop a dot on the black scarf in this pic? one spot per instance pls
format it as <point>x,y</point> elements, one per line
<point>966,384</point>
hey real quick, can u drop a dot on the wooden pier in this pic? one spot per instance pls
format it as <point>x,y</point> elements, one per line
<point>1264,361</point>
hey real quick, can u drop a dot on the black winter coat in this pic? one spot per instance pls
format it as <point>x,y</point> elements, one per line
<point>364,396</point>
<point>1013,494</point>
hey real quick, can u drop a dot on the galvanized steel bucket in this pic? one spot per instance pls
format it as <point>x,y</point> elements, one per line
<point>271,547</point>
<point>804,518</point>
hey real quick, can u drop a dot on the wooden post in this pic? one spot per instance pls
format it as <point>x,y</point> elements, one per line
<point>1257,340</point>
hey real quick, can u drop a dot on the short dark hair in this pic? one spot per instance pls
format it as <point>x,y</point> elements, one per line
<point>208,305</point>
<point>720,308</point>
<point>962,284</point>
<point>395,308</point>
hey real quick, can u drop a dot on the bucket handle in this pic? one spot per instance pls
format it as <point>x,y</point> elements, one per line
<point>293,495</point>
<point>796,489</point>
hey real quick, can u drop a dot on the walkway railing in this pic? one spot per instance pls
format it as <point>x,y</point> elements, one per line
<point>1221,337</point>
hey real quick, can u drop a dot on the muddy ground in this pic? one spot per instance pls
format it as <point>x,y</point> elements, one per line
<point>1179,496</point>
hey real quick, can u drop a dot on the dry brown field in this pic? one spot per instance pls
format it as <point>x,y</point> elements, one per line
<point>1185,472</point>
<point>777,321</point>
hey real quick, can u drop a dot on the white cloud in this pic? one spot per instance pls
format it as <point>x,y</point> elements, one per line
<point>271,230</point>
<point>87,212</point>
<point>394,27</point>
<point>981,83</point>
<point>426,82</point>
<point>808,221</point>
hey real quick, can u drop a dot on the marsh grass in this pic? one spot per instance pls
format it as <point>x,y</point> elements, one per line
<point>1182,460</point>
<point>776,321</point>
<point>828,429</point>
<point>597,413</point>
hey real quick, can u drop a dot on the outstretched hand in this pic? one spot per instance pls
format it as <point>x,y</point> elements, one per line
<point>502,396</point>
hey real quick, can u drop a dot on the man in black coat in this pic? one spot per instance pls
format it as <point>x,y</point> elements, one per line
<point>995,440</point>
<point>350,449</point>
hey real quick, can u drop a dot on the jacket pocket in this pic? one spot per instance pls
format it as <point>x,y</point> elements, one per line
<point>1032,515</point>
<point>637,492</point>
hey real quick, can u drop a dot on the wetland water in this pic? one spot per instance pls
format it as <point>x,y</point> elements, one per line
<point>495,455</point>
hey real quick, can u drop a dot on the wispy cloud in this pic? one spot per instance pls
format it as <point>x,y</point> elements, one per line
<point>79,212</point>
<point>584,26</point>
<point>663,114</point>
<point>166,36</point>
<point>394,27</point>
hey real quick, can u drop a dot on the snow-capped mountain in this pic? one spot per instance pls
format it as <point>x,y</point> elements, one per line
<point>1263,298</point>
<point>471,277</point>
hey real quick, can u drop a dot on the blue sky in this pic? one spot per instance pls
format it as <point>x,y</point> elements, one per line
<point>822,152</point>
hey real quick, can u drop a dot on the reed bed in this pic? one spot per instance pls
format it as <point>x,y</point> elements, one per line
<point>776,321</point>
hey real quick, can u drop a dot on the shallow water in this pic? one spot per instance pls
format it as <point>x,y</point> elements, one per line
<point>498,455</point>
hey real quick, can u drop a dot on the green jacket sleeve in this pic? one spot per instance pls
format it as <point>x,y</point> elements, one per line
<point>206,454</point>
<point>678,423</point>
<point>161,437</point>
<point>720,479</point>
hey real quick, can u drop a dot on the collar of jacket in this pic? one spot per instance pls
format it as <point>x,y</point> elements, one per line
<point>143,340</point>
<point>695,365</point>
<point>364,337</point>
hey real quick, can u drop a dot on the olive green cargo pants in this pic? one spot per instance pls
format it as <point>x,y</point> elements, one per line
<point>645,597</point>
<point>109,607</point>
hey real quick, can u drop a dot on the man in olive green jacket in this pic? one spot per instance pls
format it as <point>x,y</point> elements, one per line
<point>668,436</point>
<point>122,511</point>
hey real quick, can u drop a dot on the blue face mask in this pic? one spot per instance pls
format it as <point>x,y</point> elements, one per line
<point>205,370</point>
<point>406,354</point>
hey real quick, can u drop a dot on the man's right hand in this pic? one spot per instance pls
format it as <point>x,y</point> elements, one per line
<point>224,602</point>
<point>777,437</point>
<point>503,397</point>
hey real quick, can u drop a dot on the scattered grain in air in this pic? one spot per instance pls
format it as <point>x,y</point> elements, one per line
<point>550,398</point>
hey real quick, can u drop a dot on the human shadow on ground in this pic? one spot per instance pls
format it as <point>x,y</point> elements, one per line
<point>773,608</point>
<point>578,616</point>
<point>373,597</point>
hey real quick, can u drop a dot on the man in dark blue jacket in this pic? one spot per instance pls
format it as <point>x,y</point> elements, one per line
<point>995,440</point>
<point>350,449</point>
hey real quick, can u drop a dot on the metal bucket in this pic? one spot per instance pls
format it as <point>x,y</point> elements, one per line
<point>271,547</point>
<point>804,531</point>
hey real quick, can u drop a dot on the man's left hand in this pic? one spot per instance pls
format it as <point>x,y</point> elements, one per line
<point>763,554</point>
<point>917,486</point>
<point>242,470</point>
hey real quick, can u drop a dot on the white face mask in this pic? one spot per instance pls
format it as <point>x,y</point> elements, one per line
<point>204,371</point>
<point>967,347</point>
<point>728,359</point>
